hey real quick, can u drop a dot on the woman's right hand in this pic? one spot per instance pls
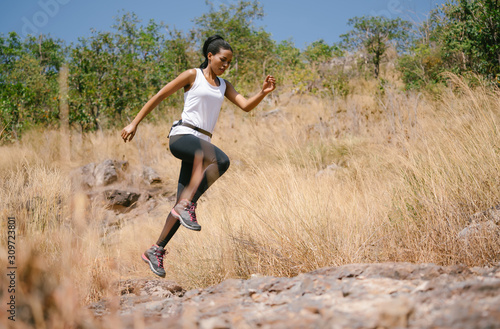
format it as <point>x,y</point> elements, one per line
<point>128,132</point>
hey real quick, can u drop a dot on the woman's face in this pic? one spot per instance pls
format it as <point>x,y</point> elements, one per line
<point>220,61</point>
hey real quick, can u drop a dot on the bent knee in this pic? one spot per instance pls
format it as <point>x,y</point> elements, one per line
<point>223,165</point>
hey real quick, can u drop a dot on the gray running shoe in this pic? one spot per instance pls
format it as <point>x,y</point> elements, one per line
<point>184,212</point>
<point>154,257</point>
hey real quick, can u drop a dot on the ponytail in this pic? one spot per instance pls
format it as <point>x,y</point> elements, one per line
<point>213,45</point>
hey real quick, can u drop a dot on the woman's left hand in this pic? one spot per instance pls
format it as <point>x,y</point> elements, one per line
<point>269,84</point>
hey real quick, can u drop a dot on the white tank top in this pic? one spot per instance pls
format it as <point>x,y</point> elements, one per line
<point>202,104</point>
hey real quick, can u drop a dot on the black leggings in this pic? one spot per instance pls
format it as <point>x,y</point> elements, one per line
<point>215,162</point>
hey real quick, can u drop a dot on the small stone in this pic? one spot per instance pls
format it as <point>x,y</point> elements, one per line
<point>330,169</point>
<point>424,286</point>
<point>272,112</point>
<point>150,176</point>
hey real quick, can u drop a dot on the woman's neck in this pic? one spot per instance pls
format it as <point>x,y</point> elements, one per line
<point>210,75</point>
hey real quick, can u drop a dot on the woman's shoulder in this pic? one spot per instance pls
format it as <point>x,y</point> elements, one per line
<point>188,76</point>
<point>190,72</point>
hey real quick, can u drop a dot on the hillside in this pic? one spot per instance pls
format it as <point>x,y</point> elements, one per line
<point>378,176</point>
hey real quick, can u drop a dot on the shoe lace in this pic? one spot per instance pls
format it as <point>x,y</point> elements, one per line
<point>159,257</point>
<point>191,208</point>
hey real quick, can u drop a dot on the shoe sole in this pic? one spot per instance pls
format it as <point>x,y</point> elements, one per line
<point>185,224</point>
<point>144,258</point>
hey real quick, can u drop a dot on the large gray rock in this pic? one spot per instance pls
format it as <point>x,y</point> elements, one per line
<point>98,174</point>
<point>482,224</point>
<point>390,295</point>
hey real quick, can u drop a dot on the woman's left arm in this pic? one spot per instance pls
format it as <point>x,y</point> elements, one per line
<point>249,104</point>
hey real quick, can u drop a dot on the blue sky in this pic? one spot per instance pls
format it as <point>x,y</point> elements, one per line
<point>303,21</point>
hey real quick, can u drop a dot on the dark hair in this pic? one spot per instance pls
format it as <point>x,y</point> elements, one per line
<point>213,45</point>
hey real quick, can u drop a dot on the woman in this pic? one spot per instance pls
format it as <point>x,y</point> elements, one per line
<point>204,93</point>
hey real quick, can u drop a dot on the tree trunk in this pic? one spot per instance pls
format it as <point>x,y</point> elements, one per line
<point>65,147</point>
<point>376,63</point>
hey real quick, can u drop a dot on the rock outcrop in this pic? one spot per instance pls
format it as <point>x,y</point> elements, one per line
<point>484,221</point>
<point>123,193</point>
<point>118,198</point>
<point>389,295</point>
<point>98,174</point>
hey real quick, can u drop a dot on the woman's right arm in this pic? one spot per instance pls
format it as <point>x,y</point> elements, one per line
<point>184,79</point>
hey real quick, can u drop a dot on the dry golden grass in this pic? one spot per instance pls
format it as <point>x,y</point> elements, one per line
<point>408,172</point>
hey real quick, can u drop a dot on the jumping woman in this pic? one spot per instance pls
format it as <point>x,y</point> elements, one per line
<point>190,137</point>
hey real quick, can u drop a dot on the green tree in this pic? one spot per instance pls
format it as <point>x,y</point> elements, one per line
<point>321,52</point>
<point>327,77</point>
<point>422,67</point>
<point>287,61</point>
<point>253,47</point>
<point>28,83</point>
<point>91,80</point>
<point>287,55</point>
<point>469,32</point>
<point>114,73</point>
<point>374,35</point>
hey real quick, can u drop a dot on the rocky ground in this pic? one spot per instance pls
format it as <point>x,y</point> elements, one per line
<point>389,295</point>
